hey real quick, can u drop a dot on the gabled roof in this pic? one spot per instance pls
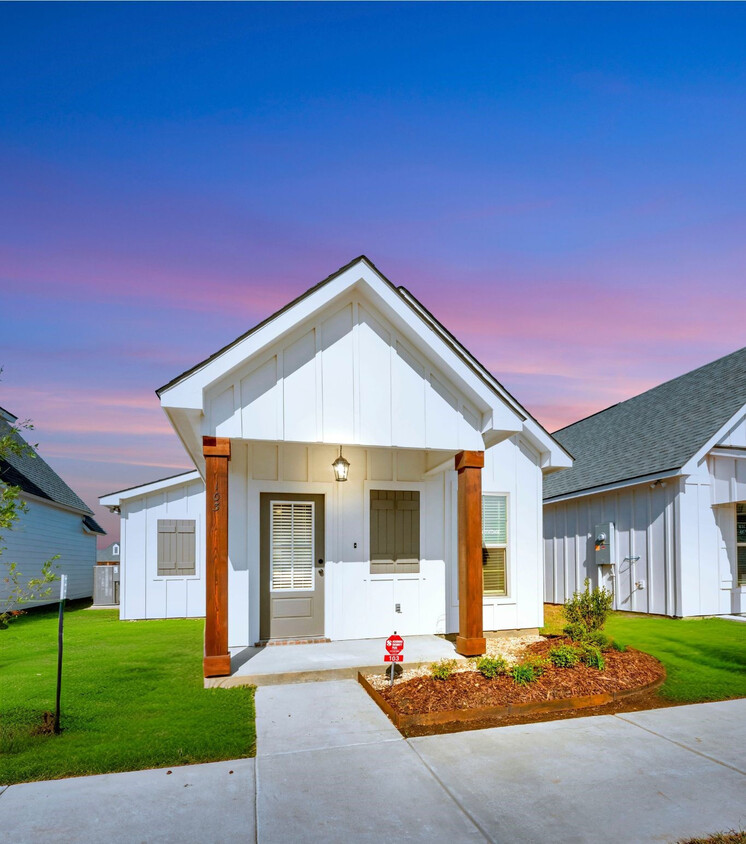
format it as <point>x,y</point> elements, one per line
<point>35,477</point>
<point>113,499</point>
<point>658,431</point>
<point>425,320</point>
<point>92,526</point>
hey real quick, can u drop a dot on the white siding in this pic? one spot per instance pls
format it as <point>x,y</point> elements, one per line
<point>348,377</point>
<point>44,531</point>
<point>143,594</point>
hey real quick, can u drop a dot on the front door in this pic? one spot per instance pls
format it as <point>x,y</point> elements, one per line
<point>291,573</point>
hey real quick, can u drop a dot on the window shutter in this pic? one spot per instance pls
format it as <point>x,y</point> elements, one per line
<point>394,531</point>
<point>494,520</point>
<point>176,547</point>
<point>166,546</point>
<point>292,545</point>
<point>741,540</point>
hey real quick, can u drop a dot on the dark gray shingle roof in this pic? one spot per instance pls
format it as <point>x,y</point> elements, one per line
<point>657,431</point>
<point>36,477</point>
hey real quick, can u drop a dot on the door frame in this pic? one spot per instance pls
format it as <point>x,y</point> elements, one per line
<point>320,535</point>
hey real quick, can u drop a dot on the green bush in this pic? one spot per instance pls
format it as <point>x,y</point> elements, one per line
<point>592,657</point>
<point>598,639</point>
<point>589,607</point>
<point>528,671</point>
<point>564,656</point>
<point>442,670</point>
<point>575,631</point>
<point>491,666</point>
<point>618,646</point>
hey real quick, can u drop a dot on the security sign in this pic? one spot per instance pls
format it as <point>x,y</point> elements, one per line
<point>393,657</point>
<point>394,646</point>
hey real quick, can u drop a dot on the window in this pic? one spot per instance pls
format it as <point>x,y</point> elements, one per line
<point>176,548</point>
<point>394,531</point>
<point>291,551</point>
<point>741,542</point>
<point>494,544</point>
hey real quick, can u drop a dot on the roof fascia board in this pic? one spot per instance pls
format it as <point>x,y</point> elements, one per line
<point>113,499</point>
<point>596,490</point>
<point>691,464</point>
<point>52,503</point>
<point>733,452</point>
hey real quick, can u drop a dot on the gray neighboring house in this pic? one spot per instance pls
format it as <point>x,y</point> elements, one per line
<point>57,521</point>
<point>110,554</point>
<point>654,506</point>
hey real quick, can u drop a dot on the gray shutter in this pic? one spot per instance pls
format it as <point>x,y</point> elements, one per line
<point>394,531</point>
<point>176,547</point>
<point>166,547</point>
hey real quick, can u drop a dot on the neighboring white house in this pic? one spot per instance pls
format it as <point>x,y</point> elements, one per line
<point>663,476</point>
<point>359,368</point>
<point>56,522</point>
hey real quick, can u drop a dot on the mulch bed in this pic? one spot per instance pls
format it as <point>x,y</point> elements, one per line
<point>470,690</point>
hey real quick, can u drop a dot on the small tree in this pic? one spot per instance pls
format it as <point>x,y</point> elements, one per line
<point>19,590</point>
<point>586,611</point>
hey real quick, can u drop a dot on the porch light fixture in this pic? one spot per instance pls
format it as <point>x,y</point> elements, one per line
<point>341,467</point>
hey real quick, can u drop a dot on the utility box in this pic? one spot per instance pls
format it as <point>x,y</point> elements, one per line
<point>106,586</point>
<point>603,543</point>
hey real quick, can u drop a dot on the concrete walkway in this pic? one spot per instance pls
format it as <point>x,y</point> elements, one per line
<point>331,768</point>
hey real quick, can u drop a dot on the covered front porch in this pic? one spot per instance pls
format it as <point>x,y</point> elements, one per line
<point>342,660</point>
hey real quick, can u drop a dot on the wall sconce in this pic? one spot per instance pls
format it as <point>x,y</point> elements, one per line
<point>659,482</point>
<point>341,467</point>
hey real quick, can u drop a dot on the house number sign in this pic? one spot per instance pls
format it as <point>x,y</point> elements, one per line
<point>216,498</point>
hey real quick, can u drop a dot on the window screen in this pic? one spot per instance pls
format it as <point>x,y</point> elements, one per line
<point>394,531</point>
<point>176,547</point>
<point>494,544</point>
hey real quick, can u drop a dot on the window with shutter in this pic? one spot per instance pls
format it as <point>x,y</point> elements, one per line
<point>394,531</point>
<point>291,546</point>
<point>494,544</point>
<point>176,548</point>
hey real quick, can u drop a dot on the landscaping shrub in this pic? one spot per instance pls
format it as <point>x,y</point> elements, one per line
<point>491,666</point>
<point>618,646</point>
<point>575,631</point>
<point>598,639</point>
<point>538,663</point>
<point>564,656</point>
<point>592,657</point>
<point>527,671</point>
<point>442,670</point>
<point>588,608</point>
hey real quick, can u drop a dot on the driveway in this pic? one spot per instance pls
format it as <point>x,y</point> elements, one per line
<point>331,768</point>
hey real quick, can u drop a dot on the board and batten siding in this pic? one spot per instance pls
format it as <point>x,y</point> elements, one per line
<point>349,377</point>
<point>645,527</point>
<point>360,603</point>
<point>44,531</point>
<point>144,593</point>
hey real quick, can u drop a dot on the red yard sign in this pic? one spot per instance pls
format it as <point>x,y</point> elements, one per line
<point>394,646</point>
<point>393,657</point>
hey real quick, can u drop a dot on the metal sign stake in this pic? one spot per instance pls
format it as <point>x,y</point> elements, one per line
<point>63,595</point>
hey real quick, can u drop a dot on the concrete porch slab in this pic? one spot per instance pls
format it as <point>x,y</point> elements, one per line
<point>279,664</point>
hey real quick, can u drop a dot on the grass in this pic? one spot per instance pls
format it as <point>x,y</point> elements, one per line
<point>705,658</point>
<point>132,697</point>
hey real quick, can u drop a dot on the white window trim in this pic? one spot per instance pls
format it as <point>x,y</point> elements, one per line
<point>507,598</point>
<point>271,543</point>
<point>412,486</point>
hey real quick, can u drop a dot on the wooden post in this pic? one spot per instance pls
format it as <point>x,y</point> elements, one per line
<point>470,640</point>
<point>217,661</point>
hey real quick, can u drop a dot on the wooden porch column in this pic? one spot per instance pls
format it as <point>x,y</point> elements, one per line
<point>217,661</point>
<point>470,640</point>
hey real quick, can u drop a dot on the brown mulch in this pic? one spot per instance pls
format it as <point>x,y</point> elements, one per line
<point>469,689</point>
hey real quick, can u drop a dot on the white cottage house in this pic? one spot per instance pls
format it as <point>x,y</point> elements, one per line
<point>654,506</point>
<point>55,523</point>
<point>363,473</point>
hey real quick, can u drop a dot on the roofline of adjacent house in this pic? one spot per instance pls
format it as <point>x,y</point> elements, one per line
<point>610,487</point>
<point>43,499</point>
<point>419,310</point>
<point>180,475</point>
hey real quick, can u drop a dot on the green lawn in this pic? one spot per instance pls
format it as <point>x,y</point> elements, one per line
<point>132,697</point>
<point>705,658</point>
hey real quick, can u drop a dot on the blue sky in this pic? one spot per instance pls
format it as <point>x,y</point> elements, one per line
<point>561,184</point>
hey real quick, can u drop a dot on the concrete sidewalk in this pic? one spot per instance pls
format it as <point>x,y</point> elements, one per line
<point>331,768</point>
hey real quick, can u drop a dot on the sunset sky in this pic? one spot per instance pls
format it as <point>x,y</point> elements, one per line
<point>564,186</point>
